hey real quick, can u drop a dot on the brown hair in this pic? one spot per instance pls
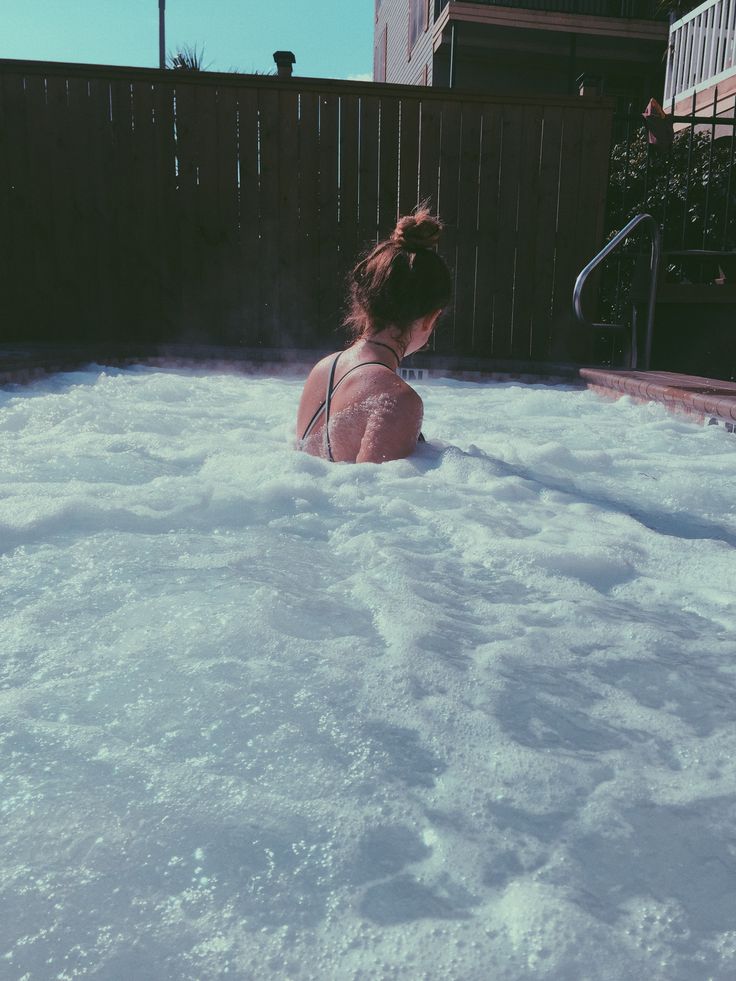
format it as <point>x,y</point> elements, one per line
<point>401,279</point>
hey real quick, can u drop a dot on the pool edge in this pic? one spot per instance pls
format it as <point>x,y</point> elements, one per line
<point>707,401</point>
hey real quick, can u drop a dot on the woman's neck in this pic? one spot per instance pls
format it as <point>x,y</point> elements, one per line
<point>389,347</point>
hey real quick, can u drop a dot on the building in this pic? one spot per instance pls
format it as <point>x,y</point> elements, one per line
<point>515,46</point>
<point>701,67</point>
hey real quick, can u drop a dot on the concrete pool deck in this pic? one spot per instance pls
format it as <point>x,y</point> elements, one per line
<point>704,400</point>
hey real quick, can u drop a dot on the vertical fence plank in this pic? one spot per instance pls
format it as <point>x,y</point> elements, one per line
<point>291,327</point>
<point>408,156</point>
<point>7,301</point>
<point>42,301</point>
<point>488,244</point>
<point>16,250</point>
<point>167,212</point>
<point>62,217</point>
<point>143,213</point>
<point>506,256</point>
<point>309,264</point>
<point>526,224</point>
<point>330,290</point>
<point>593,186</point>
<point>101,205</point>
<point>226,125</point>
<point>349,163</point>
<point>268,109</point>
<point>81,135</point>
<point>467,241</point>
<point>190,242</point>
<point>368,176</point>
<point>388,166</point>
<point>250,272</point>
<point>448,208</point>
<point>429,153</point>
<point>430,133</point>
<point>565,233</point>
<point>544,252</point>
<point>591,206</point>
<point>124,245</point>
<point>209,216</point>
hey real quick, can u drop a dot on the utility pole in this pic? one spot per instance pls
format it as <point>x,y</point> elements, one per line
<point>162,33</point>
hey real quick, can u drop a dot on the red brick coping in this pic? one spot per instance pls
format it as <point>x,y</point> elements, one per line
<point>701,399</point>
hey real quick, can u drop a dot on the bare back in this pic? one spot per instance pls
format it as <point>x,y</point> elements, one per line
<point>373,417</point>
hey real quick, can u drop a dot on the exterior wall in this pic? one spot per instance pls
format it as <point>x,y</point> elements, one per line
<point>517,49</point>
<point>402,66</point>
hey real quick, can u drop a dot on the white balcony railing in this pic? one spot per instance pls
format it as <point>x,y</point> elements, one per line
<point>702,49</point>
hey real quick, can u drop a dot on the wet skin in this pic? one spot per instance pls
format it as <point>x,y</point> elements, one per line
<point>374,415</point>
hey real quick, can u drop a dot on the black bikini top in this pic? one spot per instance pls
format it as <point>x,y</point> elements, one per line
<point>325,405</point>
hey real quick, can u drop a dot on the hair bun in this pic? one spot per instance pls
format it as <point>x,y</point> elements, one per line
<point>418,231</point>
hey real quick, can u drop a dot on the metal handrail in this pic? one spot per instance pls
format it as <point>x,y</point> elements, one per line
<point>577,293</point>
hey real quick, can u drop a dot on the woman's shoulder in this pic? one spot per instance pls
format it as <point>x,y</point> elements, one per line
<point>402,391</point>
<point>363,376</point>
<point>320,371</point>
<point>325,362</point>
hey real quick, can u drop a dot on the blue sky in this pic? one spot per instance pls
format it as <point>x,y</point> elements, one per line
<point>330,38</point>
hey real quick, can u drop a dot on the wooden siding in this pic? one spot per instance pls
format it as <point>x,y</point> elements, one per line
<point>402,67</point>
<point>152,206</point>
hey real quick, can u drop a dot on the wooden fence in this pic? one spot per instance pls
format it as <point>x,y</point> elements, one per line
<point>158,206</point>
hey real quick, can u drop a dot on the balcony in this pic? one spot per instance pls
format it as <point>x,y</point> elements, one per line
<point>702,51</point>
<point>621,9</point>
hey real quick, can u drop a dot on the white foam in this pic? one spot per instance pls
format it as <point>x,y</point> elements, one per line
<point>465,715</point>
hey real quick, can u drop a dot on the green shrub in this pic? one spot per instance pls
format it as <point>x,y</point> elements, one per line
<point>691,191</point>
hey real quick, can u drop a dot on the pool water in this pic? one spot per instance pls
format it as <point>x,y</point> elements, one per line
<point>467,715</point>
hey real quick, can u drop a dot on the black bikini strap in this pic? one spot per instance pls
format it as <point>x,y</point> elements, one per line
<point>388,348</point>
<point>331,389</point>
<point>361,365</point>
<point>321,407</point>
<point>310,425</point>
<point>328,399</point>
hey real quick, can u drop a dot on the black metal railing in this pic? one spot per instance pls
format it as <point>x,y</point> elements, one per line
<point>689,187</point>
<point>628,9</point>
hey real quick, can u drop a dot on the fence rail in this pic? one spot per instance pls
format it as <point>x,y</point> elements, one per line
<point>162,206</point>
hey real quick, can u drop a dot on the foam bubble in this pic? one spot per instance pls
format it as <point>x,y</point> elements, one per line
<point>463,715</point>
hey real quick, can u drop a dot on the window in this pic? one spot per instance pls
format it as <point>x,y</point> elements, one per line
<point>418,20</point>
<point>379,56</point>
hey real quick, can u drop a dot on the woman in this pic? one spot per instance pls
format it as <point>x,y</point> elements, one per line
<point>354,407</point>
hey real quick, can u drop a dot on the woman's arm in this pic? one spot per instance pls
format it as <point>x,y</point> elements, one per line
<point>393,427</point>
